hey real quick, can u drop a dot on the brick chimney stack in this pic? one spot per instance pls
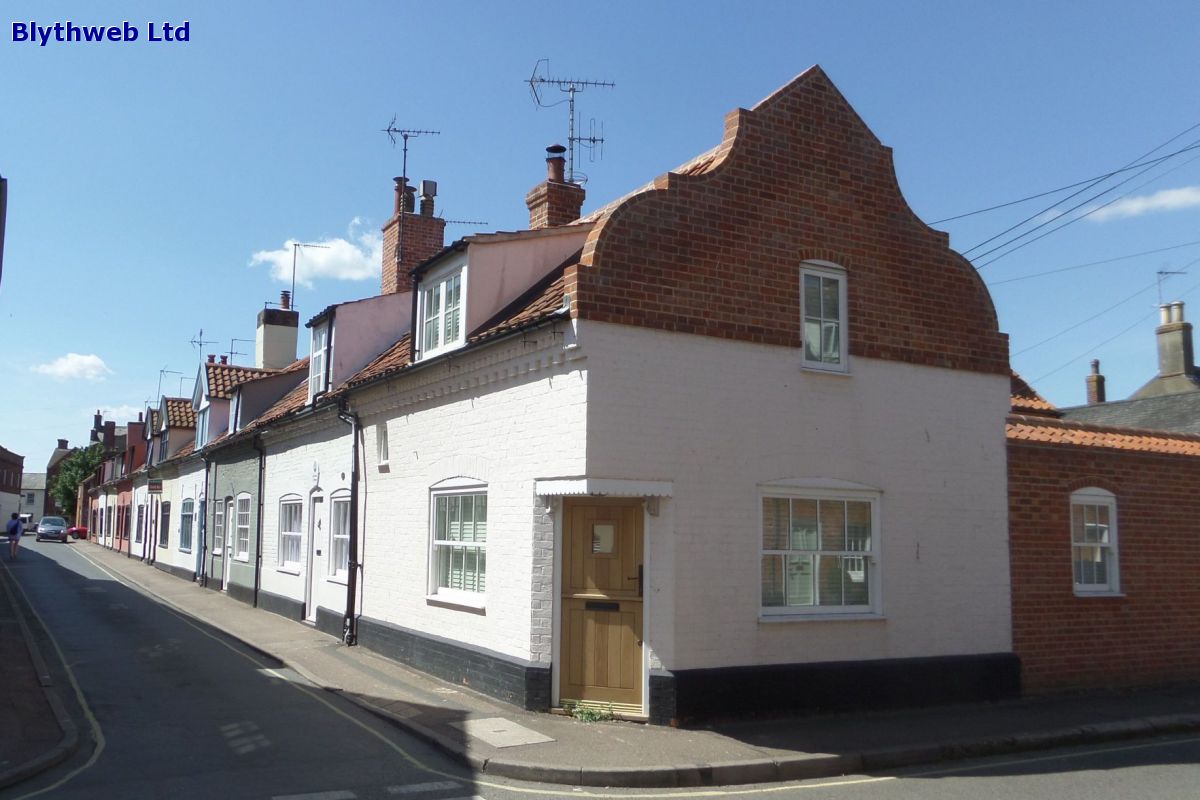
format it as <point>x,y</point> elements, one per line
<point>424,235</point>
<point>554,202</point>
<point>1174,342</point>
<point>275,334</point>
<point>1095,385</point>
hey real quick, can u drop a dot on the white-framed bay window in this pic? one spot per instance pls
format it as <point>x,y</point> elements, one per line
<point>1094,556</point>
<point>441,309</point>
<point>819,552</point>
<point>242,541</point>
<point>823,316</point>
<point>339,535</point>
<point>458,541</point>
<point>317,358</point>
<point>291,534</point>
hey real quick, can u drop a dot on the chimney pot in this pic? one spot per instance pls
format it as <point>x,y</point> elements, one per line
<point>400,185</point>
<point>555,162</point>
<point>285,299</point>
<point>1095,385</point>
<point>224,359</point>
<point>212,359</point>
<point>1174,342</point>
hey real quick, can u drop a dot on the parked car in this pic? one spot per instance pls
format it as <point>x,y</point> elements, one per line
<point>27,524</point>
<point>78,531</point>
<point>53,528</point>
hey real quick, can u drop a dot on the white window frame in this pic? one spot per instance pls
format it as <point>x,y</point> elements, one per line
<point>139,531</point>
<point>436,283</point>
<point>446,490</point>
<point>295,536</point>
<point>870,556</point>
<point>825,271</point>
<point>318,356</point>
<point>338,536</point>
<point>202,427</point>
<point>187,512</point>
<point>1094,498</point>
<point>218,547</point>
<point>381,444</point>
<point>241,550</point>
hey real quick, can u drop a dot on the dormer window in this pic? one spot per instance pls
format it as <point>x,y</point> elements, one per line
<point>317,359</point>
<point>823,312</point>
<point>442,303</point>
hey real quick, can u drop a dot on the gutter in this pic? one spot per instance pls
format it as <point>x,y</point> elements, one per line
<point>350,620</point>
<point>262,469</point>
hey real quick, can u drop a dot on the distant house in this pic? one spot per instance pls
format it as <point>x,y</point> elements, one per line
<point>12,467</point>
<point>33,495</point>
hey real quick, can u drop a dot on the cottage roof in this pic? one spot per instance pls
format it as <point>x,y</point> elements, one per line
<point>179,412</point>
<point>1179,413</point>
<point>1043,430</point>
<point>1026,401</point>
<point>222,378</point>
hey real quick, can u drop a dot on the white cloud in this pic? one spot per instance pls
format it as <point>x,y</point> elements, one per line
<point>355,258</point>
<point>73,365</point>
<point>121,414</point>
<point>1166,200</point>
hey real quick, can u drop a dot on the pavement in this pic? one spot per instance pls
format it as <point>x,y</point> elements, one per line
<point>503,741</point>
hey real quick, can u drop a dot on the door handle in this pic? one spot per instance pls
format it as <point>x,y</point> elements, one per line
<point>640,578</point>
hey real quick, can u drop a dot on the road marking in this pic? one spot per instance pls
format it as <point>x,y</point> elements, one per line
<point>413,788</point>
<point>338,794</point>
<point>1093,751</point>
<point>558,791</point>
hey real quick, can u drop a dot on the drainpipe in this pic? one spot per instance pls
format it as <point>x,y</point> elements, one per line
<point>262,468</point>
<point>224,525</point>
<point>350,622</point>
<point>202,578</point>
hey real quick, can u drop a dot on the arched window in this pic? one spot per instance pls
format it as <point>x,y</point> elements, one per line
<point>1094,541</point>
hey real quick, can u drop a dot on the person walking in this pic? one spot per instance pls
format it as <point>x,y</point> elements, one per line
<point>15,529</point>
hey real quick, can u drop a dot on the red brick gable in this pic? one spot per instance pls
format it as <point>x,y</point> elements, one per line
<point>717,251</point>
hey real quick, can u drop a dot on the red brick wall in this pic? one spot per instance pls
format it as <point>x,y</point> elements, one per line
<point>424,236</point>
<point>799,177</point>
<point>1149,635</point>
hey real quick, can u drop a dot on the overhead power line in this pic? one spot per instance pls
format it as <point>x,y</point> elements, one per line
<point>1067,330</point>
<point>1093,263</point>
<point>1039,195</point>
<point>1135,163</point>
<point>1081,216</point>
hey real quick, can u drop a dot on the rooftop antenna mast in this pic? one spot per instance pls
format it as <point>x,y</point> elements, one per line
<point>296,249</point>
<point>165,371</point>
<point>1162,275</point>
<point>570,86</point>
<point>233,352</point>
<point>405,134</point>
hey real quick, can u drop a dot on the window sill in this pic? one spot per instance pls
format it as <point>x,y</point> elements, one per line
<point>462,600</point>
<point>188,550</point>
<point>288,570</point>
<point>866,616</point>
<point>244,559</point>
<point>815,370</point>
<point>1086,595</point>
<point>340,580</point>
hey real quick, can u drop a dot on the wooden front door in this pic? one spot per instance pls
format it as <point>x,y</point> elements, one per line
<point>602,584</point>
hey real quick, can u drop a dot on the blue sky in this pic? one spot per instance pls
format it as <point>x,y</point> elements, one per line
<point>145,177</point>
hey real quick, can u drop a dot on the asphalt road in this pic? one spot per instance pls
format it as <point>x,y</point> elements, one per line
<point>181,711</point>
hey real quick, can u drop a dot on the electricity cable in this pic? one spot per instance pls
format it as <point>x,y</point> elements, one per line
<point>1093,263</point>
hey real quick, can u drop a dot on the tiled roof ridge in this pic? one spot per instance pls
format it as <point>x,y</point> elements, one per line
<point>1036,428</point>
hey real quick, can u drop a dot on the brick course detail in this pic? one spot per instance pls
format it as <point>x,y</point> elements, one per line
<point>1151,632</point>
<point>717,251</point>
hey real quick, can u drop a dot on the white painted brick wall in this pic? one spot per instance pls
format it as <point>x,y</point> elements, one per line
<point>290,462</point>
<point>718,418</point>
<point>188,484</point>
<point>506,433</point>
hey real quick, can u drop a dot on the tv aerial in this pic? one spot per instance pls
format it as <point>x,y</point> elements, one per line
<point>569,86</point>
